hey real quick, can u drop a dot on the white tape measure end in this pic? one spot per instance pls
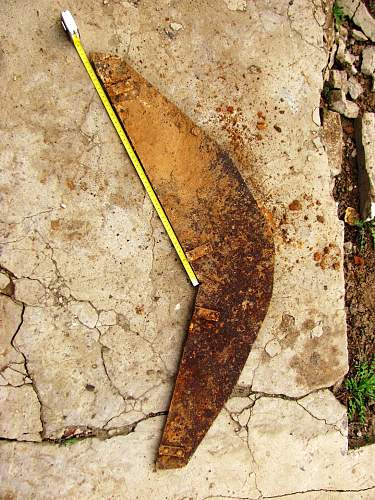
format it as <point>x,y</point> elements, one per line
<point>69,24</point>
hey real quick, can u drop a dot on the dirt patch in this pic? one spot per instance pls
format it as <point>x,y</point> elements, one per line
<point>359,266</point>
<point>360,287</point>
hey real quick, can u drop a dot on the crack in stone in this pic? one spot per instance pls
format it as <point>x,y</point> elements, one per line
<point>321,419</point>
<point>87,432</point>
<point>275,497</point>
<point>26,217</point>
<point>294,30</point>
<point>112,384</point>
<point>12,342</point>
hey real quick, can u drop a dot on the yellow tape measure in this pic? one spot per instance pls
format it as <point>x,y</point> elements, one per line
<point>71,28</point>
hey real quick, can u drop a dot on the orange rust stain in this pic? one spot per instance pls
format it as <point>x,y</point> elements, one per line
<point>55,224</point>
<point>295,206</point>
<point>358,260</point>
<point>140,309</point>
<point>69,182</point>
<point>318,256</point>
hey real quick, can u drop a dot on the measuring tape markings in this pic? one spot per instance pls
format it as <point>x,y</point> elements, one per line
<point>70,26</point>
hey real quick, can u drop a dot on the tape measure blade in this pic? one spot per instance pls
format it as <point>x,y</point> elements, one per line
<point>135,161</point>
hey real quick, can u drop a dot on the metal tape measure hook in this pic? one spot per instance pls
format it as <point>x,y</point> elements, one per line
<point>69,24</point>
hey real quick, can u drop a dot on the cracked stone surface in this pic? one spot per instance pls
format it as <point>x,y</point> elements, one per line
<point>269,458</point>
<point>94,302</point>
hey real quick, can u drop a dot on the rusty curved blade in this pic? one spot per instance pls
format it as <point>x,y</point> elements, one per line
<point>225,236</point>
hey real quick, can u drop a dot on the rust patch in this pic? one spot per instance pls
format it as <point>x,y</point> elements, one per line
<point>214,206</point>
<point>329,258</point>
<point>199,252</point>
<point>295,206</point>
<point>207,314</point>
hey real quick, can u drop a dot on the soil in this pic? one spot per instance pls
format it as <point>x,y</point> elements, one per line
<point>359,267</point>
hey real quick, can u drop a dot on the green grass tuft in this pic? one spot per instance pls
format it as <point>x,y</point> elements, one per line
<point>338,14</point>
<point>70,441</point>
<point>361,387</point>
<point>364,226</point>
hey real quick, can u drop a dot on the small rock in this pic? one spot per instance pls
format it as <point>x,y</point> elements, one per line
<point>338,80</point>
<point>365,21</point>
<point>339,103</point>
<point>85,313</point>
<point>368,61</point>
<point>351,216</point>
<point>345,58</point>
<point>355,88</point>
<point>4,281</point>
<point>317,331</point>
<point>316,117</point>
<point>177,307</point>
<point>236,5</point>
<point>273,348</point>
<point>343,32</point>
<point>176,26</point>
<point>332,137</point>
<point>365,138</point>
<point>359,36</point>
<point>348,247</point>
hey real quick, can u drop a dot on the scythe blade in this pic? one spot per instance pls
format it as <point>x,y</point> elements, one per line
<point>225,237</point>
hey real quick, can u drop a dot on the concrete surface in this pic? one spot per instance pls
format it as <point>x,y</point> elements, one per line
<point>95,301</point>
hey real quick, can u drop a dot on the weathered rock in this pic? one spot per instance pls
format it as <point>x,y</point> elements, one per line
<point>65,355</point>
<point>290,446</point>
<point>343,32</point>
<point>332,136</point>
<point>322,422</point>
<point>339,103</point>
<point>344,57</point>
<point>348,6</point>
<point>338,80</point>
<point>368,61</point>
<point>4,281</point>
<point>354,88</point>
<point>365,21</point>
<point>85,313</point>
<point>20,413</point>
<point>106,246</point>
<point>359,36</point>
<point>316,116</point>
<point>176,26</point>
<point>365,139</point>
<point>357,11</point>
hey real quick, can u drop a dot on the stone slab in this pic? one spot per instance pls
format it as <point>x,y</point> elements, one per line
<point>285,448</point>
<point>79,225</point>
